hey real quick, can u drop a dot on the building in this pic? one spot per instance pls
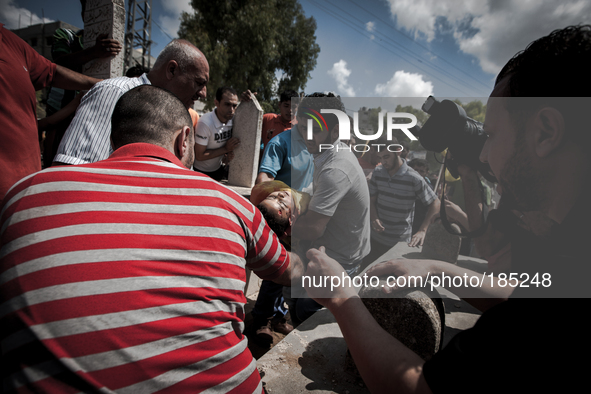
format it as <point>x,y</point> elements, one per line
<point>40,36</point>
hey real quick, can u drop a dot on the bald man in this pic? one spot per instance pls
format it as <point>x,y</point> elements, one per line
<point>181,68</point>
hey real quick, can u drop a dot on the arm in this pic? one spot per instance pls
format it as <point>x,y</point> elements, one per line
<point>384,363</point>
<point>376,224</point>
<point>418,238</point>
<point>263,177</point>
<point>202,153</point>
<point>293,272</point>
<point>272,160</point>
<point>330,187</point>
<point>310,226</point>
<point>70,80</point>
<point>455,214</point>
<point>104,47</point>
<point>50,121</point>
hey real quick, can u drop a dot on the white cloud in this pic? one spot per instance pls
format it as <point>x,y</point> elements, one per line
<point>370,27</point>
<point>9,15</point>
<point>340,73</point>
<point>405,84</point>
<point>170,21</point>
<point>492,31</point>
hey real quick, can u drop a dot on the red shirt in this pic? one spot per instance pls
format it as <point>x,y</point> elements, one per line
<point>273,125</point>
<point>22,72</point>
<point>128,274</point>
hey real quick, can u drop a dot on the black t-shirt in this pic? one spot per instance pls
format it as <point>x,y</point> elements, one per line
<point>529,344</point>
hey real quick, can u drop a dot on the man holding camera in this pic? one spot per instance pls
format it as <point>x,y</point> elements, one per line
<point>537,148</point>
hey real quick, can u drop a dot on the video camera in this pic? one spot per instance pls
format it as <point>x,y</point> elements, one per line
<point>450,127</point>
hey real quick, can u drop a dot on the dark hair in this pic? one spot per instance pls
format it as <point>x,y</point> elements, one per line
<point>220,92</point>
<point>318,101</point>
<point>275,222</point>
<point>418,163</point>
<point>136,71</point>
<point>149,114</point>
<point>287,95</point>
<point>553,68</point>
<point>405,146</point>
<point>556,65</point>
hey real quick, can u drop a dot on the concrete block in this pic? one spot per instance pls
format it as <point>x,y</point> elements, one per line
<point>104,17</point>
<point>248,121</point>
<point>439,244</point>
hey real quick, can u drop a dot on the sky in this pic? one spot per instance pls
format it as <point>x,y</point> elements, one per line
<point>382,48</point>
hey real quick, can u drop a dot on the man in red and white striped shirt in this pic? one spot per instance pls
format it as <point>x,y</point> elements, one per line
<point>127,275</point>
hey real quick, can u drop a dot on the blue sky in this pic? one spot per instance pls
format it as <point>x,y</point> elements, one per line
<point>383,48</point>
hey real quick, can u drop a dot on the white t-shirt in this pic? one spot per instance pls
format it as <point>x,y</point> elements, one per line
<point>213,134</point>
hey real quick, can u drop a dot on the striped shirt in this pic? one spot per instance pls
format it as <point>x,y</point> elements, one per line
<point>87,139</point>
<point>396,197</point>
<point>128,276</point>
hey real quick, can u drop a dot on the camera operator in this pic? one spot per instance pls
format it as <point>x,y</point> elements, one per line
<point>538,151</point>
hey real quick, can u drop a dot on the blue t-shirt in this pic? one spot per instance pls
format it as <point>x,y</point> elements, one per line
<point>287,159</point>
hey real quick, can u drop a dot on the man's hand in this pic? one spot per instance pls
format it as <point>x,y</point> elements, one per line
<point>245,96</point>
<point>232,144</point>
<point>377,225</point>
<point>417,239</point>
<point>228,157</point>
<point>320,266</point>
<point>106,47</point>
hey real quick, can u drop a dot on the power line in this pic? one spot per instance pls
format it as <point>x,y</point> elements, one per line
<point>419,44</point>
<point>363,32</point>
<point>162,30</point>
<point>411,53</point>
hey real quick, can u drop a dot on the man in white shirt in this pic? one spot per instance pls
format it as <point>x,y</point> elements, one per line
<point>214,144</point>
<point>181,68</point>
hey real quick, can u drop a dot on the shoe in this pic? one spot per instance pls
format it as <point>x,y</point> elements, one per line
<point>281,326</point>
<point>264,335</point>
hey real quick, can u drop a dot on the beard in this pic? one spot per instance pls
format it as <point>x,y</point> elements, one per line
<point>521,184</point>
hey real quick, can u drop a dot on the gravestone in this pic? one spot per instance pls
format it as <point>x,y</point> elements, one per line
<point>439,244</point>
<point>248,121</point>
<point>104,17</point>
<point>416,317</point>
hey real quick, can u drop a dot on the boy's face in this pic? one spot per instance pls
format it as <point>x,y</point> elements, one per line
<point>421,170</point>
<point>281,205</point>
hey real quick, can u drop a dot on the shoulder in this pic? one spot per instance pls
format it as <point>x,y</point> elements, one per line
<point>64,34</point>
<point>282,139</point>
<point>120,84</point>
<point>269,117</point>
<point>206,120</point>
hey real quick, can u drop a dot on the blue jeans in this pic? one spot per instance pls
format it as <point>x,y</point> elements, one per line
<point>269,303</point>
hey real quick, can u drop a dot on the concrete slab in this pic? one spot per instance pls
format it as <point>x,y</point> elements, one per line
<point>312,357</point>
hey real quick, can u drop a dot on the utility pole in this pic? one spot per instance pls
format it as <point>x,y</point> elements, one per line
<point>138,33</point>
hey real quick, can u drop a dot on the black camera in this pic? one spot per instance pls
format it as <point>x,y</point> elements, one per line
<point>450,127</point>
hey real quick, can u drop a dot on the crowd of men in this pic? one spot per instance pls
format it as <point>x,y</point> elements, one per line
<point>122,266</point>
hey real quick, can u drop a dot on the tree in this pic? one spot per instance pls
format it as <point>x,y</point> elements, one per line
<point>249,42</point>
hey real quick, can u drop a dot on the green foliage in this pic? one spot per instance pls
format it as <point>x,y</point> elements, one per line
<point>248,42</point>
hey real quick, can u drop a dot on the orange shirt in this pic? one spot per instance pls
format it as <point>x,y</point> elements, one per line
<point>194,117</point>
<point>273,125</point>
